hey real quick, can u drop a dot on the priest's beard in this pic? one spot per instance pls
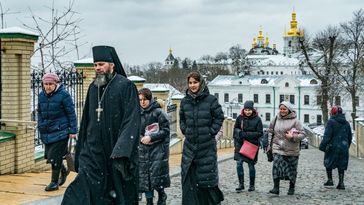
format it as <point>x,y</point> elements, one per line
<point>103,79</point>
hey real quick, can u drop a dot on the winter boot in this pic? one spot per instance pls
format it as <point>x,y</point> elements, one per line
<point>252,183</point>
<point>341,181</point>
<point>240,188</point>
<point>150,201</point>
<point>64,174</point>
<point>54,182</point>
<point>162,197</point>
<point>291,188</point>
<point>275,189</point>
<point>329,178</point>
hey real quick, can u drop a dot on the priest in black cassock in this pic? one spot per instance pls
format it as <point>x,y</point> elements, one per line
<point>106,152</point>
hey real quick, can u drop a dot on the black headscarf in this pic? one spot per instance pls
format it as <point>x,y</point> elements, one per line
<point>108,54</point>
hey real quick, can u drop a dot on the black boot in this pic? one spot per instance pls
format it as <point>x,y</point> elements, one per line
<point>329,178</point>
<point>341,181</point>
<point>291,188</point>
<point>64,174</point>
<point>252,183</point>
<point>241,184</point>
<point>275,189</point>
<point>162,197</point>
<point>54,182</point>
<point>150,201</point>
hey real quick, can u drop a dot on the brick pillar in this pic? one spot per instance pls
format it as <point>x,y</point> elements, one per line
<point>138,81</point>
<point>225,130</point>
<point>177,101</point>
<point>230,127</point>
<point>17,46</point>
<point>161,95</point>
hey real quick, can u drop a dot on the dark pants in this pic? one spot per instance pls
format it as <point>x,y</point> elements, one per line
<point>240,168</point>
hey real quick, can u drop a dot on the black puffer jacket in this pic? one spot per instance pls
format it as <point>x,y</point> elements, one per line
<point>252,131</point>
<point>200,120</point>
<point>153,158</point>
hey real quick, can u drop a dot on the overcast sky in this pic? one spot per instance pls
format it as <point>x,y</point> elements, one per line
<point>142,31</point>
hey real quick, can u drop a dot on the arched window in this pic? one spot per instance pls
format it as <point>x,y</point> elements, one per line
<point>287,84</point>
<point>264,81</point>
<point>313,82</point>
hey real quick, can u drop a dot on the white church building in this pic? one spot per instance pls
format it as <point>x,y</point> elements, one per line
<point>275,77</point>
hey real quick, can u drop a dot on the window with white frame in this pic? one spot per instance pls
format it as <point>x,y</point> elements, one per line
<point>226,97</point>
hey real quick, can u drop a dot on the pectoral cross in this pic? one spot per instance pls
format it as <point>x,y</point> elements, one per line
<point>99,110</point>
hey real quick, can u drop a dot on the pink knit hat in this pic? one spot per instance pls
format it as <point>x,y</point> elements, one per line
<point>50,78</point>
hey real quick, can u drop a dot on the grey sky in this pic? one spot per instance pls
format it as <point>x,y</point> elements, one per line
<point>143,30</point>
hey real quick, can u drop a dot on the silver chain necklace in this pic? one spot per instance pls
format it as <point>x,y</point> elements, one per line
<point>99,108</point>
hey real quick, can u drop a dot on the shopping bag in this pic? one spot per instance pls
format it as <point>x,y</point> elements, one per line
<point>70,156</point>
<point>248,150</point>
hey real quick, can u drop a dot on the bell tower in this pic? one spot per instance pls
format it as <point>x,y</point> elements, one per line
<point>291,38</point>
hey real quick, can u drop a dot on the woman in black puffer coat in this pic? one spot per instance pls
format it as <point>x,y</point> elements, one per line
<point>336,143</point>
<point>248,126</point>
<point>201,117</point>
<point>153,149</point>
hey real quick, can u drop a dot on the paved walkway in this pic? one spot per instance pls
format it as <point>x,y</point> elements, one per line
<point>309,189</point>
<point>28,189</point>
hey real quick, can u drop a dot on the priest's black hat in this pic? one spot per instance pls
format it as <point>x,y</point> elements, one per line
<point>108,54</point>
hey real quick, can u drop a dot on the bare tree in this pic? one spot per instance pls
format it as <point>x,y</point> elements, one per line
<point>186,63</point>
<point>153,71</point>
<point>237,56</point>
<point>221,57</point>
<point>321,57</point>
<point>58,36</point>
<point>351,73</point>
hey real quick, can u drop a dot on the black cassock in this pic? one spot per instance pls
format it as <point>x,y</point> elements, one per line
<point>106,152</point>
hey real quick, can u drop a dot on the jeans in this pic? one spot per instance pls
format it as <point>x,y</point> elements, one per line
<point>240,168</point>
<point>149,194</point>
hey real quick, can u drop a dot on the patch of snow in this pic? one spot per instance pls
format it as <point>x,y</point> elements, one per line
<point>18,30</point>
<point>135,78</point>
<point>85,60</point>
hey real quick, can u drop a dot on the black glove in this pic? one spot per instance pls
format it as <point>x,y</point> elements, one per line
<point>242,135</point>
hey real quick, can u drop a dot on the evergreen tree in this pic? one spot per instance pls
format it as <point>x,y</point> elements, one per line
<point>194,65</point>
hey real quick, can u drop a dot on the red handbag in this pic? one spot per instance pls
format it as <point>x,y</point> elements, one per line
<point>248,150</point>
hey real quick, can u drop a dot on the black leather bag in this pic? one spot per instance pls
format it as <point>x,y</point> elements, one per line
<point>70,157</point>
<point>270,155</point>
<point>270,151</point>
